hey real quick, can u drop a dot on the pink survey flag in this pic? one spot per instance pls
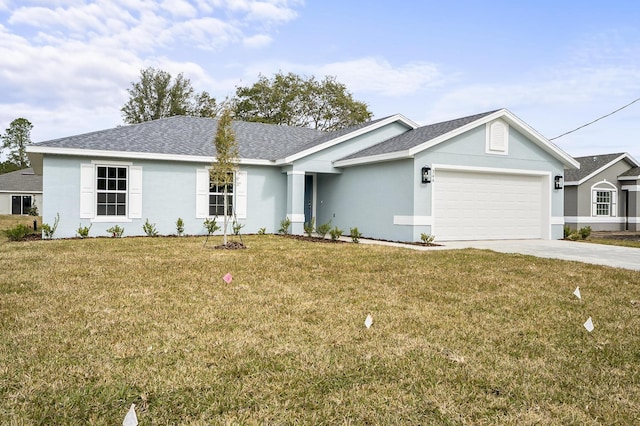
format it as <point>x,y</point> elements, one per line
<point>131,419</point>
<point>227,278</point>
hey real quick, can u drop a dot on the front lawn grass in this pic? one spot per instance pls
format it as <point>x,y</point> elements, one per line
<point>88,327</point>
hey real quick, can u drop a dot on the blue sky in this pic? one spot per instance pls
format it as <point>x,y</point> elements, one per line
<point>66,64</point>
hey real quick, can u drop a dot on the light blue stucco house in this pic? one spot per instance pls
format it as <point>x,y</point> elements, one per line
<point>486,176</point>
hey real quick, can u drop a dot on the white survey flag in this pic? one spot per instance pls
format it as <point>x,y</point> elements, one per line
<point>368,321</point>
<point>589,325</point>
<point>131,419</point>
<point>577,293</point>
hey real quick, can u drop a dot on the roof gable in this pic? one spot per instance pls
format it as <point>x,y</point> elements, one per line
<point>410,143</point>
<point>591,165</point>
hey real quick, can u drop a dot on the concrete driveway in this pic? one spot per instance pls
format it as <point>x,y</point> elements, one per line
<point>599,254</point>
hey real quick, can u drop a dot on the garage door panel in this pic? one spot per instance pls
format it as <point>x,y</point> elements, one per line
<point>469,206</point>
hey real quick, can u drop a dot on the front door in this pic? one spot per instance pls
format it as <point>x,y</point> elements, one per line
<point>308,198</point>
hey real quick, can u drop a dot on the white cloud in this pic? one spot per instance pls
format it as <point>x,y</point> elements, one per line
<point>179,8</point>
<point>256,41</point>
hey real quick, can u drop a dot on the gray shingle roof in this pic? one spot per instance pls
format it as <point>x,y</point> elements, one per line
<point>185,135</point>
<point>588,165</point>
<point>21,181</point>
<point>415,137</point>
<point>632,172</point>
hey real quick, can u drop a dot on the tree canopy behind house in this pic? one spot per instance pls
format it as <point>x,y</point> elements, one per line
<point>158,95</point>
<point>15,140</point>
<point>292,100</point>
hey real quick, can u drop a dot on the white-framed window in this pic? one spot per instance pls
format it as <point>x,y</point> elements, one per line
<point>216,198</point>
<point>21,204</point>
<point>210,199</point>
<point>497,138</point>
<point>604,197</point>
<point>110,191</point>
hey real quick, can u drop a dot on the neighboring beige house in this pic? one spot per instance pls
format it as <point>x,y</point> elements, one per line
<point>19,191</point>
<point>604,193</point>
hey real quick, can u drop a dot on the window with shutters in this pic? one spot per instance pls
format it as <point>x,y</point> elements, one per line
<point>603,199</point>
<point>110,192</point>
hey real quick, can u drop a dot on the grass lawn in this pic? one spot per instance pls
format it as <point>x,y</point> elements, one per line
<point>88,327</point>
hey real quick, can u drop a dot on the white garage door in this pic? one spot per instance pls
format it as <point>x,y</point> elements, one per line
<point>483,206</point>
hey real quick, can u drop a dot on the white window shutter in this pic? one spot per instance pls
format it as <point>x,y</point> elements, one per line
<point>87,185</point>
<point>135,192</point>
<point>241,194</point>
<point>594,204</point>
<point>614,203</point>
<point>202,193</point>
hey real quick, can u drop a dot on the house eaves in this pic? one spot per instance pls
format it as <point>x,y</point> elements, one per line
<point>504,114</point>
<point>601,168</point>
<point>346,136</point>
<point>37,150</point>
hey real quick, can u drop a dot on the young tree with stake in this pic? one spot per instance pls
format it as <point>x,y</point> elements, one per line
<point>222,170</point>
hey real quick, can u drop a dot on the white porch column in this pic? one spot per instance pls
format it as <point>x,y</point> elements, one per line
<point>295,201</point>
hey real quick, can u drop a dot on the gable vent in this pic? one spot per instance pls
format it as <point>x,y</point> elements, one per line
<point>497,137</point>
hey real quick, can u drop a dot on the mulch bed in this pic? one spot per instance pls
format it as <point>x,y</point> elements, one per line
<point>231,245</point>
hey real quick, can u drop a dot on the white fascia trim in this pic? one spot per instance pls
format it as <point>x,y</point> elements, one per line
<point>572,183</point>
<point>351,135</point>
<point>598,219</point>
<point>632,188</point>
<point>606,166</point>
<point>413,220</point>
<point>629,177</point>
<point>19,192</point>
<point>379,158</point>
<point>296,172</point>
<point>489,170</point>
<point>139,155</point>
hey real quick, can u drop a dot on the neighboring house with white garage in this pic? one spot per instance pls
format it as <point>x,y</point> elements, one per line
<point>19,191</point>
<point>486,176</point>
<point>604,193</point>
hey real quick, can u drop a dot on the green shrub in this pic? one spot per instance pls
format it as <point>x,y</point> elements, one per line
<point>567,231</point>
<point>355,235</point>
<point>585,232</point>
<point>211,226</point>
<point>262,231</point>
<point>180,226</point>
<point>574,236</point>
<point>335,233</point>
<point>284,226</point>
<point>237,227</point>
<point>308,227</point>
<point>427,238</point>
<point>323,229</point>
<point>83,231</point>
<point>116,231</point>
<point>33,210</point>
<point>18,232</point>
<point>48,230</point>
<point>149,229</point>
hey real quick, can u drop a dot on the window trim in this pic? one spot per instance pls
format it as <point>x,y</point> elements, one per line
<point>604,186</point>
<point>21,203</point>
<point>89,191</point>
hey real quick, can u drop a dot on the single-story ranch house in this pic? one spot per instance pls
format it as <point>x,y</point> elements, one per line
<point>486,176</point>
<point>604,193</point>
<point>20,191</point>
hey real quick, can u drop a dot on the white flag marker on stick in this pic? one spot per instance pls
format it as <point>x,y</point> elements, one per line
<point>131,419</point>
<point>577,293</point>
<point>589,325</point>
<point>368,321</point>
